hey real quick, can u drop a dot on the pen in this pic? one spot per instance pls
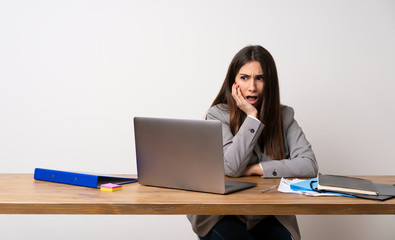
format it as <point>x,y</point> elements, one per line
<point>268,189</point>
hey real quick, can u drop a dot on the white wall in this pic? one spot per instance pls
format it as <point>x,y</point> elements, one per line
<point>74,73</point>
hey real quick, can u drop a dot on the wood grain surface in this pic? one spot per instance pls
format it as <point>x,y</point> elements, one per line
<point>21,194</point>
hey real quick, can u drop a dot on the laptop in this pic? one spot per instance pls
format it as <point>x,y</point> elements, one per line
<point>182,154</point>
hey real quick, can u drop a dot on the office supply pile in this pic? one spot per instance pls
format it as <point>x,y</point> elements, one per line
<point>335,185</point>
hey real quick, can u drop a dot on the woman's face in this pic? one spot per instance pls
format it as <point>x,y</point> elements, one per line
<point>251,83</point>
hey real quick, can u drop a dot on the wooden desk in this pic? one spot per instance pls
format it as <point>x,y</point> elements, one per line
<point>21,194</point>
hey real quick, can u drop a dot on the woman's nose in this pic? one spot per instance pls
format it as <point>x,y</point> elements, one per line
<point>252,85</point>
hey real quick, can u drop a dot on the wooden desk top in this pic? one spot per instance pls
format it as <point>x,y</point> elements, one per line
<point>21,194</point>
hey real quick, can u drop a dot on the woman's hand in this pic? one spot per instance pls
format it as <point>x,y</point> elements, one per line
<point>253,169</point>
<point>245,106</point>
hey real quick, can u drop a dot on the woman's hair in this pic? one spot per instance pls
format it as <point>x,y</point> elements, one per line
<point>269,111</point>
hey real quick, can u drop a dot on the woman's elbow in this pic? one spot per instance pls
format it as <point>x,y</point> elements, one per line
<point>232,172</point>
<point>314,168</point>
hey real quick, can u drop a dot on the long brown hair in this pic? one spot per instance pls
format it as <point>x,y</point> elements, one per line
<point>269,111</point>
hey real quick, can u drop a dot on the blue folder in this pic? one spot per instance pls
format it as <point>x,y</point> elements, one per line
<point>305,186</point>
<point>79,179</point>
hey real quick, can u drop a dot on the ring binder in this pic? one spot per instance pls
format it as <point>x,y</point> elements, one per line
<point>79,179</point>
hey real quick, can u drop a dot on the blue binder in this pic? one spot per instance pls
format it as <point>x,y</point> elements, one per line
<point>79,179</point>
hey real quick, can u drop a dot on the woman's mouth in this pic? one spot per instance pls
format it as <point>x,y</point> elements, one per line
<point>252,99</point>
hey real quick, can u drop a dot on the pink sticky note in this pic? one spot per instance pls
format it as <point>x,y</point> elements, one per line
<point>110,185</point>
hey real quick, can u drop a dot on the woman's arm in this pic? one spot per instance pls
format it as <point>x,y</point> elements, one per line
<point>238,149</point>
<point>301,161</point>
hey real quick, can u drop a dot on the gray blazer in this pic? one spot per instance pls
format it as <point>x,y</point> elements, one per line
<point>242,149</point>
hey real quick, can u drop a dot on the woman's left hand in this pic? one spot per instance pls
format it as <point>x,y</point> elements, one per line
<point>254,169</point>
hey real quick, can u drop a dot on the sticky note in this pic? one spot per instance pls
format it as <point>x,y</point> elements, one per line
<point>110,187</point>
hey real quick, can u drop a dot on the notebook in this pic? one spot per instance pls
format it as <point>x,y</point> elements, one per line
<point>182,154</point>
<point>336,183</point>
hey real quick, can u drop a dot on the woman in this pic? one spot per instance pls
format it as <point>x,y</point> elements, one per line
<point>260,137</point>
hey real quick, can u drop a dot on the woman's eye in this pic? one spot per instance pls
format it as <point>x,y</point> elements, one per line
<point>260,78</point>
<point>243,77</point>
